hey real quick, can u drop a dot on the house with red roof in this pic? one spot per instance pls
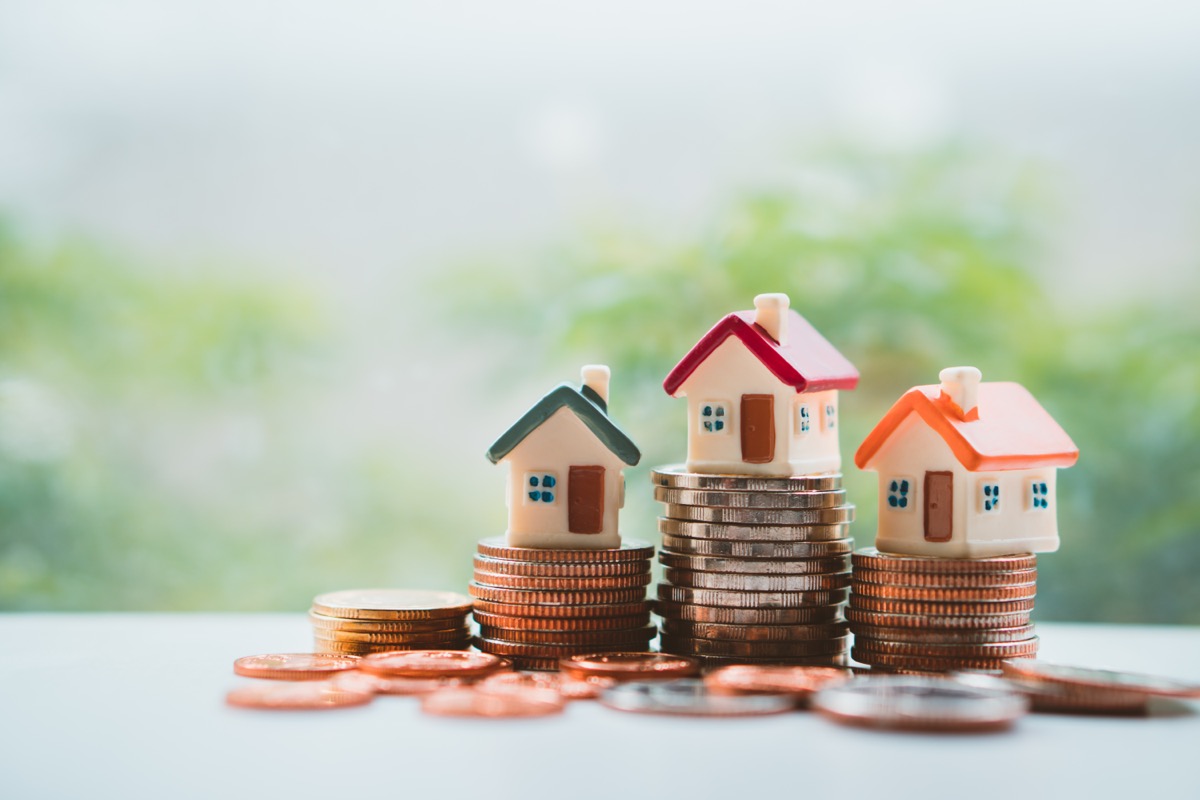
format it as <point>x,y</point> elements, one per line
<point>967,469</point>
<point>762,390</point>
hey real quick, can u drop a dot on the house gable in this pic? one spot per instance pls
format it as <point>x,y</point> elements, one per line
<point>588,412</point>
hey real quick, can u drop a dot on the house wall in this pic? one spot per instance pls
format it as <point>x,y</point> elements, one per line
<point>728,373</point>
<point>914,449</point>
<point>559,443</point>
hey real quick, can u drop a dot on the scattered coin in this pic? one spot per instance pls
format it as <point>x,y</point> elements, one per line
<point>629,666</point>
<point>805,533</point>
<point>570,688</point>
<point>911,702</point>
<point>477,702</point>
<point>293,666</point>
<point>630,550</point>
<point>870,558</point>
<point>1107,679</point>
<point>431,664</point>
<point>798,682</point>
<point>690,697</point>
<point>684,546</point>
<point>1055,698</point>
<point>310,696</point>
<point>358,681</point>
<point>676,476</point>
<point>759,566</point>
<point>780,500</point>
<point>761,516</point>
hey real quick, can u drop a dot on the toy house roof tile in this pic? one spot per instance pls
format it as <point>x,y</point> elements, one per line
<point>808,362</point>
<point>586,405</point>
<point>1012,430</point>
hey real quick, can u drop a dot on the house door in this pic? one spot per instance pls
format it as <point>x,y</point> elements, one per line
<point>939,506</point>
<point>585,500</point>
<point>758,428</point>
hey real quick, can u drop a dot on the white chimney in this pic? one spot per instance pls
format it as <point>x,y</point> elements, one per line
<point>771,314</point>
<point>595,377</point>
<point>960,385</point>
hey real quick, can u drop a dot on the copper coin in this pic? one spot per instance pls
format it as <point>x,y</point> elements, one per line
<point>335,647</point>
<point>870,558</point>
<point>761,516</point>
<point>940,623</point>
<point>729,581</point>
<point>630,550</point>
<point>676,476</point>
<point>628,637</point>
<point>716,647</point>
<point>1055,698</point>
<point>310,696</point>
<point>919,703</point>
<point>431,664</point>
<point>397,604</point>
<point>629,666</point>
<point>476,702</point>
<point>749,616</point>
<point>759,566</point>
<point>825,660</point>
<point>690,697</point>
<point>527,663</point>
<point>570,688</point>
<point>964,636</point>
<point>948,580</point>
<point>937,608</point>
<point>1025,591</point>
<point>558,625</point>
<point>549,569</point>
<point>496,594</point>
<point>752,533</point>
<point>753,633</point>
<point>782,500</point>
<point>998,650</point>
<point>418,638</point>
<point>720,548</point>
<point>921,663</point>
<point>1106,679</point>
<point>799,682</point>
<point>755,600</point>
<point>525,650</point>
<point>322,622</point>
<point>358,681</point>
<point>564,612</point>
<point>293,666</point>
<point>527,582</point>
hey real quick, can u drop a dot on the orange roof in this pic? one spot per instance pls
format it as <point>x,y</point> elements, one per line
<point>1011,431</point>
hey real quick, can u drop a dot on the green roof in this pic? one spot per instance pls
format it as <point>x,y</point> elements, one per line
<point>590,411</point>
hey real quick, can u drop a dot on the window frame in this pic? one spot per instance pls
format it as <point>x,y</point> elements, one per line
<point>536,478</point>
<point>986,497</point>
<point>718,406</point>
<point>802,424</point>
<point>1035,500</point>
<point>909,495</point>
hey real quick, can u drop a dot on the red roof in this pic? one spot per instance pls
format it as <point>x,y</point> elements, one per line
<point>1012,430</point>
<point>807,362</point>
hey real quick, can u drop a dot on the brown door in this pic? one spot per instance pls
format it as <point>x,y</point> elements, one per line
<point>939,506</point>
<point>585,500</point>
<point>758,428</point>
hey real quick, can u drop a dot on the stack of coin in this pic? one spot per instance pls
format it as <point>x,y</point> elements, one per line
<point>924,614</point>
<point>535,606</point>
<point>756,568</point>
<point>363,621</point>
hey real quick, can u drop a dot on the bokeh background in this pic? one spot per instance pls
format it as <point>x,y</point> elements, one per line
<point>274,275</point>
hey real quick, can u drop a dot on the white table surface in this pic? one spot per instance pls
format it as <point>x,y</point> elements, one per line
<point>132,706</point>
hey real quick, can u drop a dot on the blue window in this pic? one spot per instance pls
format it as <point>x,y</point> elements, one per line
<point>830,416</point>
<point>989,496</point>
<point>540,487</point>
<point>714,417</point>
<point>803,418</point>
<point>900,494</point>
<point>1039,495</point>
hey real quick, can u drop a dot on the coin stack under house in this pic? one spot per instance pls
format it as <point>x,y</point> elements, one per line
<point>364,621</point>
<point>535,606</point>
<point>756,568</point>
<point>926,614</point>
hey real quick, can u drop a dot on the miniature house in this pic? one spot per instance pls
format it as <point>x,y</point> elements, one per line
<point>762,389</point>
<point>966,470</point>
<point>565,457</point>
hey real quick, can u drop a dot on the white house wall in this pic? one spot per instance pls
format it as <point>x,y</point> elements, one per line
<point>911,451</point>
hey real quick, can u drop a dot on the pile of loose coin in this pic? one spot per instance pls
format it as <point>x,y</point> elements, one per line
<point>925,614</point>
<point>756,568</point>
<point>363,621</point>
<point>536,606</point>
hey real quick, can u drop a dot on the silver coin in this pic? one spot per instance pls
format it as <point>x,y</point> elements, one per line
<point>695,497</point>
<point>690,697</point>
<point>937,623</point>
<point>786,534</point>
<point>761,516</point>
<point>757,583</point>
<point>920,703</point>
<point>758,600</point>
<point>681,545</point>
<point>755,566</point>
<point>676,476</point>
<point>808,615</point>
<point>1031,669</point>
<point>752,633</point>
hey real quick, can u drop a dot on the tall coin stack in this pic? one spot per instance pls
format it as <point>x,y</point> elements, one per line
<point>926,614</point>
<point>363,621</point>
<point>535,606</point>
<point>756,568</point>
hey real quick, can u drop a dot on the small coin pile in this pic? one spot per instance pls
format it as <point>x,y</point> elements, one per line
<point>756,568</point>
<point>923,614</point>
<point>536,606</point>
<point>364,621</point>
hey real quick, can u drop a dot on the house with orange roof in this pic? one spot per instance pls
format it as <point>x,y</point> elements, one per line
<point>967,469</point>
<point>762,389</point>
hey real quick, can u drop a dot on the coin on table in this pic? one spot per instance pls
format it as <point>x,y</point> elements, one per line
<point>998,650</point>
<point>358,681</point>
<point>1022,591</point>
<point>676,476</point>
<point>476,702</point>
<point>507,648</point>
<point>749,600</point>
<point>799,682</point>
<point>508,596</point>
<point>749,616</point>
<point>718,499</point>
<point>761,516</point>
<point>939,608</point>
<point>715,647</point>
<point>936,623</point>
<point>551,569</point>
<point>630,550</point>
<point>565,685</point>
<point>685,546</point>
<point>690,697</point>
<point>310,696</point>
<point>912,702</point>
<point>893,661</point>
<point>527,582</point>
<point>753,533</point>
<point>870,558</point>
<point>755,566</point>
<point>752,633</point>
<point>948,580</point>
<point>962,636</point>
<point>293,666</point>
<point>432,664</point>
<point>557,611</point>
<point>629,666</point>
<point>735,582</point>
<point>1108,679</point>
<point>1058,698</point>
<point>389,604</point>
